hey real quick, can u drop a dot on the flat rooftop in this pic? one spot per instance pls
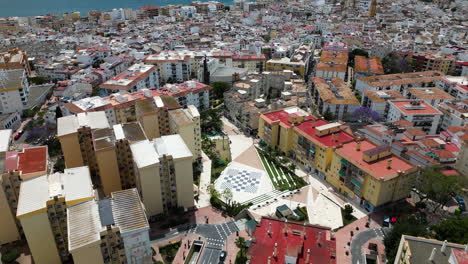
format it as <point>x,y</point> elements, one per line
<point>422,108</point>
<point>377,169</point>
<point>70,124</point>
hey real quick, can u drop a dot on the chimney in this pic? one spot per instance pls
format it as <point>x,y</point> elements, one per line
<point>275,252</point>
<point>308,256</point>
<point>389,164</point>
<point>269,229</point>
<point>269,259</point>
<point>358,146</point>
<point>431,257</point>
<point>466,247</point>
<point>444,245</point>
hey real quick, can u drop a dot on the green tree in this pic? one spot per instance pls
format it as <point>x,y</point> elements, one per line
<point>433,185</point>
<point>241,257</point>
<point>219,88</point>
<point>348,212</point>
<point>227,195</point>
<point>396,63</point>
<point>37,80</point>
<point>58,113</point>
<point>412,226</point>
<point>328,115</point>
<point>59,165</point>
<point>454,230</point>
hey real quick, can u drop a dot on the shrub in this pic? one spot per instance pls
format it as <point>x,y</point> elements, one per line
<point>10,256</point>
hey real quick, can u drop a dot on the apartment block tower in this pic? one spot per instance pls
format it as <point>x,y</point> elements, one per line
<point>75,133</point>
<point>10,228</point>
<point>113,230</point>
<point>113,156</point>
<point>42,211</point>
<point>164,172</point>
<point>162,116</point>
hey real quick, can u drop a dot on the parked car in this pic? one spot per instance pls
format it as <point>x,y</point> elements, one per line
<point>461,202</point>
<point>17,136</point>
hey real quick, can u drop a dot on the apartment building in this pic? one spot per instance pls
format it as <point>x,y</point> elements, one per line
<point>113,156</point>
<point>15,59</point>
<point>412,250</point>
<point>42,211</point>
<point>334,96</point>
<point>282,241</point>
<point>332,64</point>
<point>420,113</point>
<point>164,172</point>
<point>248,97</point>
<point>431,95</point>
<point>377,100</point>
<point>186,123</point>
<point>10,227</point>
<point>174,68</point>
<point>431,61</point>
<point>29,162</point>
<point>14,91</point>
<point>75,135</point>
<point>457,86</point>
<point>370,174</point>
<point>252,62</point>
<point>367,66</point>
<point>188,93</point>
<point>5,141</point>
<point>135,78</point>
<point>10,121</point>
<point>455,113</point>
<point>113,230</point>
<point>280,64</point>
<point>9,25</point>
<point>276,127</point>
<point>153,115</point>
<point>398,82</point>
<point>461,165</point>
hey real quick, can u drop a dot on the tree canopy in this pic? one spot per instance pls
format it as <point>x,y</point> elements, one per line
<point>433,185</point>
<point>412,226</point>
<point>219,88</point>
<point>454,230</point>
<point>365,114</point>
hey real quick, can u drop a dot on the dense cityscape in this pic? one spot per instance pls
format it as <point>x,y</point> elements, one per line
<point>298,132</point>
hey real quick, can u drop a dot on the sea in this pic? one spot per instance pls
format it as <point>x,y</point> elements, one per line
<point>24,8</point>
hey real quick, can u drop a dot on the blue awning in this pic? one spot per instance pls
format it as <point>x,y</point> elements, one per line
<point>356,183</point>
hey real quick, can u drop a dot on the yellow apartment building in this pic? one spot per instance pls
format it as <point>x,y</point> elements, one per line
<point>113,155</point>
<point>10,228</point>
<point>186,123</point>
<point>164,172</point>
<point>42,211</point>
<point>75,135</point>
<point>370,174</point>
<point>297,67</point>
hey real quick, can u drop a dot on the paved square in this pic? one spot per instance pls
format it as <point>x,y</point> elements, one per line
<point>241,180</point>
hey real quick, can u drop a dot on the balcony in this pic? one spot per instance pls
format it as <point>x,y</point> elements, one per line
<point>345,162</point>
<point>356,183</point>
<point>342,172</point>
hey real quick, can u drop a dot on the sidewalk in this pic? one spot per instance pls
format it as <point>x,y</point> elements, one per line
<point>205,181</point>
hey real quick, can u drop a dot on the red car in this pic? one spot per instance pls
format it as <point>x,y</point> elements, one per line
<point>17,136</point>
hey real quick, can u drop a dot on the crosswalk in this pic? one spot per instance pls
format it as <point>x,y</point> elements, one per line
<point>215,243</point>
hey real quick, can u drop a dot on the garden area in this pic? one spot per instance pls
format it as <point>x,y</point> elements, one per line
<point>218,150</point>
<point>169,252</point>
<point>231,208</point>
<point>346,214</point>
<point>280,170</point>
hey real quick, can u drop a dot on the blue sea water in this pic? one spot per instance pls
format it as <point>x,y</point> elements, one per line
<point>11,8</point>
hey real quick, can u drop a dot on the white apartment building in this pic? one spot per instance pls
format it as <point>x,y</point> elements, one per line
<point>398,82</point>
<point>14,91</point>
<point>455,114</point>
<point>455,86</point>
<point>164,173</point>
<point>135,78</point>
<point>420,113</point>
<point>175,68</point>
<point>377,100</point>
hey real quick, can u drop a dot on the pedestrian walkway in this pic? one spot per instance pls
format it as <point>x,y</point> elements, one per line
<point>265,197</point>
<point>205,181</point>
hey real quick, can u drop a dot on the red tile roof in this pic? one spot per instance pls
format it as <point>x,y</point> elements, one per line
<point>460,255</point>
<point>293,240</point>
<point>282,116</point>
<point>308,129</point>
<point>31,160</point>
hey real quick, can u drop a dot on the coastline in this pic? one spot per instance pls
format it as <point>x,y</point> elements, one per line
<point>45,7</point>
